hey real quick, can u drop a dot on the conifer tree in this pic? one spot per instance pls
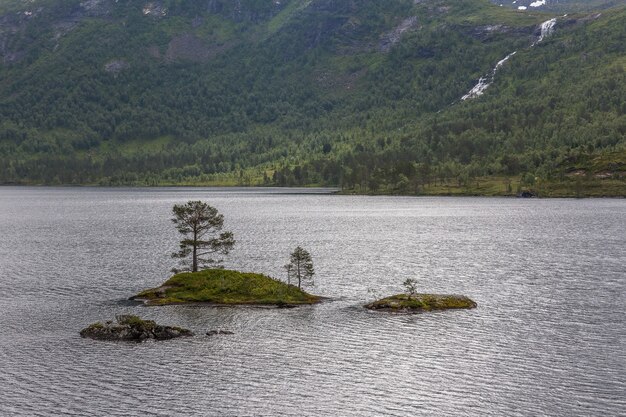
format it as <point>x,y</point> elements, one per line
<point>300,266</point>
<point>200,224</point>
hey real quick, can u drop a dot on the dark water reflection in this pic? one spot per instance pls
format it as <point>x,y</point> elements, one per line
<point>548,338</point>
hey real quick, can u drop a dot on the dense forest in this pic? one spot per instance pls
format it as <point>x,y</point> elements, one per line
<point>361,94</point>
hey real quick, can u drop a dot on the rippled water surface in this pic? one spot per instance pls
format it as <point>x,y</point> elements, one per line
<point>548,337</point>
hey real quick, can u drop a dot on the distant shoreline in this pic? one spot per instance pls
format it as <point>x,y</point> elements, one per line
<point>614,191</point>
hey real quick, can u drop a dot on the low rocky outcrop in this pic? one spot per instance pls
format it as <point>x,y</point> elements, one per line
<point>421,302</point>
<point>491,32</point>
<point>116,66</point>
<point>388,40</point>
<point>218,332</point>
<point>132,328</point>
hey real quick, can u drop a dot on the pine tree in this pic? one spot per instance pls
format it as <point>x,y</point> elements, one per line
<point>300,266</point>
<point>200,224</point>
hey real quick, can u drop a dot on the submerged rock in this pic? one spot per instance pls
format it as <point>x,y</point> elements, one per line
<point>132,328</point>
<point>215,332</point>
<point>422,302</point>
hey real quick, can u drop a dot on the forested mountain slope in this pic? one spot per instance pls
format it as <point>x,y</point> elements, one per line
<point>358,93</point>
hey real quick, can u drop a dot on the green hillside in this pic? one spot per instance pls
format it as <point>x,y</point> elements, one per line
<point>360,94</point>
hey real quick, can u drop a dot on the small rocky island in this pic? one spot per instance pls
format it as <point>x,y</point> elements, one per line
<point>421,302</point>
<point>132,328</point>
<point>226,287</point>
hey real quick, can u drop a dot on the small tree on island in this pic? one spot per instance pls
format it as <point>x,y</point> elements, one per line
<point>411,286</point>
<point>300,267</point>
<point>200,224</point>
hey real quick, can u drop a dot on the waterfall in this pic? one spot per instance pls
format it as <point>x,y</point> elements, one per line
<point>547,28</point>
<point>487,80</point>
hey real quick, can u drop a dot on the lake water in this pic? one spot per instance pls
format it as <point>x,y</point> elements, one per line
<point>548,337</point>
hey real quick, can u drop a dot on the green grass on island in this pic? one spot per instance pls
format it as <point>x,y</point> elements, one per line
<point>421,302</point>
<point>221,286</point>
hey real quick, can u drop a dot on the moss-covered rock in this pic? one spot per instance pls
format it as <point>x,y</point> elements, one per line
<point>132,328</point>
<point>422,302</point>
<point>221,286</point>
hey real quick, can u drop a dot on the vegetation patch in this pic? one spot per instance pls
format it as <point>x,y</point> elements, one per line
<point>421,302</point>
<point>221,286</point>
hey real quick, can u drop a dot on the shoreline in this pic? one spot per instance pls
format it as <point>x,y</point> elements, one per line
<point>146,303</point>
<point>311,190</point>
